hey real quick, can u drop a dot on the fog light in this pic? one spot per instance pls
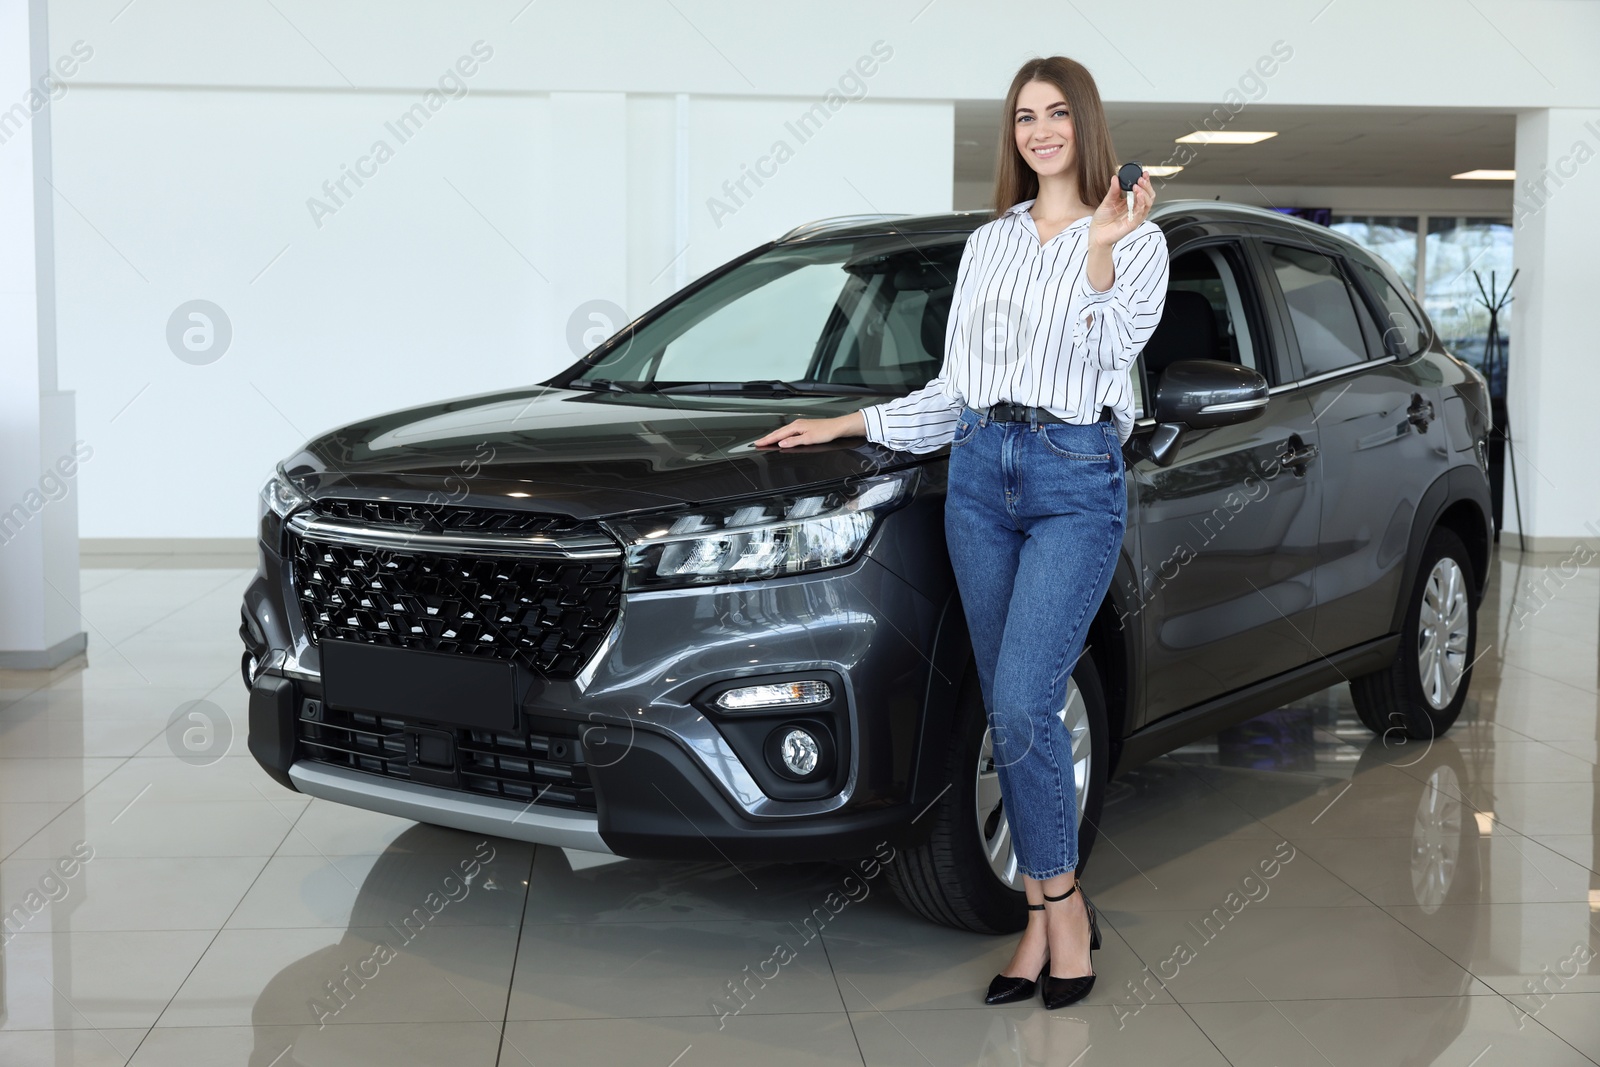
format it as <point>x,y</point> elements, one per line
<point>799,752</point>
<point>776,695</point>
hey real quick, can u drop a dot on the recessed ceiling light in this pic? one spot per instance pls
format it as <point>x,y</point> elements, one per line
<point>1162,171</point>
<point>1482,175</point>
<point>1224,137</point>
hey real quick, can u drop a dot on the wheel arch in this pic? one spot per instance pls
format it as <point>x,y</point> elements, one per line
<point>949,661</point>
<point>1458,500</point>
<point>1113,646</point>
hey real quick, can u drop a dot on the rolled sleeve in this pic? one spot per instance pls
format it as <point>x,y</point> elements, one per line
<point>1112,325</point>
<point>872,415</point>
<point>920,421</point>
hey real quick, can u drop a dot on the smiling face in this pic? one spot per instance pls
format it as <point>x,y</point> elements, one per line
<point>1043,128</point>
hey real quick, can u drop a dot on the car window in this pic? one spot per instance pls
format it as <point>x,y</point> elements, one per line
<point>1204,316</point>
<point>1402,332</point>
<point>1322,309</point>
<point>853,312</point>
<point>769,333</point>
<point>889,325</point>
<point>1207,271</point>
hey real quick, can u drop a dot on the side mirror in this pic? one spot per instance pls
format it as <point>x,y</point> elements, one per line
<point>1199,394</point>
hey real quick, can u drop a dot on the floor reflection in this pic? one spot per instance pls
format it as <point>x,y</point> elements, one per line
<point>1291,890</point>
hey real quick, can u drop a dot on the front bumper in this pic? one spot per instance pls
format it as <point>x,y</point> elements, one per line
<point>669,778</point>
<point>449,807</point>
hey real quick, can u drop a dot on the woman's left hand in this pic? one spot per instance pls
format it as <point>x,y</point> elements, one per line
<point>1110,222</point>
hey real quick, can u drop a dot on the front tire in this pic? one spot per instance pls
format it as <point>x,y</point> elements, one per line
<point>1421,693</point>
<point>965,874</point>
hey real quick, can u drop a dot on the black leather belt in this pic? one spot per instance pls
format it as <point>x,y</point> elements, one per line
<point>1006,411</point>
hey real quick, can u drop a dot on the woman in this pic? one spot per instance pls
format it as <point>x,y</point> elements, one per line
<point>1054,298</point>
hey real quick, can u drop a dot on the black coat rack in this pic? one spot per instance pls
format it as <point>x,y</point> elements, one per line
<point>1495,366</point>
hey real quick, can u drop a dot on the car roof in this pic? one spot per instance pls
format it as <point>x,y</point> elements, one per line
<point>1165,214</point>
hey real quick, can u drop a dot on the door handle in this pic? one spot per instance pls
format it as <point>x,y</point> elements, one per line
<point>1420,413</point>
<point>1296,454</point>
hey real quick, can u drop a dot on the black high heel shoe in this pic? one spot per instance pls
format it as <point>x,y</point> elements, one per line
<point>1059,992</point>
<point>1006,989</point>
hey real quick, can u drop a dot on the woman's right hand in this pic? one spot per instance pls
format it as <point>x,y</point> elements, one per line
<point>815,431</point>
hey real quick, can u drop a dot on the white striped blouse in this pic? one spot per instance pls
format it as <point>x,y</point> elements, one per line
<point>1007,337</point>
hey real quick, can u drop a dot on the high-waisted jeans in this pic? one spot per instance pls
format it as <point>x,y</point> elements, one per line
<point>1034,518</point>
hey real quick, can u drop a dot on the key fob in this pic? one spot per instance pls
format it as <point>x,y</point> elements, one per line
<point>1128,176</point>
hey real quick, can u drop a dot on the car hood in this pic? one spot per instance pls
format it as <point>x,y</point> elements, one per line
<point>581,453</point>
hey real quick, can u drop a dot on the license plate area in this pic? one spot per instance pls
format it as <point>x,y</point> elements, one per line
<point>446,689</point>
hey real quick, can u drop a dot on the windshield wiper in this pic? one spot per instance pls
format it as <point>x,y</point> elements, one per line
<point>773,386</point>
<point>608,386</point>
<point>843,389</point>
<point>770,387</point>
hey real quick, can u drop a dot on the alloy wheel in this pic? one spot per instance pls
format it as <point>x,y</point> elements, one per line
<point>1442,633</point>
<point>994,830</point>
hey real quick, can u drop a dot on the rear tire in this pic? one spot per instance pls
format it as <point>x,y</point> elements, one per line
<point>950,879</point>
<point>1421,693</point>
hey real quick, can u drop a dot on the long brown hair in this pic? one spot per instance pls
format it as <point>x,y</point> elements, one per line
<point>1096,160</point>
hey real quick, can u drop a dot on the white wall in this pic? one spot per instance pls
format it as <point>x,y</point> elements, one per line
<point>454,269</point>
<point>577,168</point>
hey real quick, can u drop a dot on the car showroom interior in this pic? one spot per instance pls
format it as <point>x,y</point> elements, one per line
<point>675,532</point>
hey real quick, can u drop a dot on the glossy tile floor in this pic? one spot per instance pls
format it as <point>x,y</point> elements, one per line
<point>1426,903</point>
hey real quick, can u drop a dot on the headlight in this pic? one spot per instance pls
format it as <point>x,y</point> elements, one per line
<point>762,538</point>
<point>278,498</point>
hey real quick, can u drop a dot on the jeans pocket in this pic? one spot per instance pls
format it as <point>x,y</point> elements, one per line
<point>965,429</point>
<point>1075,441</point>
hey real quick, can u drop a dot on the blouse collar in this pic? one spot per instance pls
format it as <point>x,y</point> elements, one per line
<point>1018,209</point>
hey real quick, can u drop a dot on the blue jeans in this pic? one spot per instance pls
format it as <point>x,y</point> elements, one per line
<point>1034,518</point>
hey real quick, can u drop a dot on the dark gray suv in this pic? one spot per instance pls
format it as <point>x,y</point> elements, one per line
<point>589,613</point>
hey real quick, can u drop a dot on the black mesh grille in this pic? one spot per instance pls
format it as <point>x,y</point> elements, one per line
<point>544,765</point>
<point>548,614</point>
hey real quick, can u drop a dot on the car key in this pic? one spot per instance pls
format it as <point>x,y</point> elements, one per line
<point>1128,176</point>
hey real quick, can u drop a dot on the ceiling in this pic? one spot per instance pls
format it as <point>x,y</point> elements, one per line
<point>1350,146</point>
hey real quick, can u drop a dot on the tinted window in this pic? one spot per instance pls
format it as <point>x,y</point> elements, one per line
<point>1402,332</point>
<point>1322,309</point>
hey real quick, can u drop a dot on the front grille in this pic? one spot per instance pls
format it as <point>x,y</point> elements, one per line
<point>432,518</point>
<point>549,614</point>
<point>544,765</point>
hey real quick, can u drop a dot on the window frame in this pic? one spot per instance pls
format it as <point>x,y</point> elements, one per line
<point>1378,309</point>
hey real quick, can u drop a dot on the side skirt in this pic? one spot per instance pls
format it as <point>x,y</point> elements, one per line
<point>1203,720</point>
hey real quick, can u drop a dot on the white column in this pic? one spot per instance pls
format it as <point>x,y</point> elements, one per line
<point>39,458</point>
<point>1554,373</point>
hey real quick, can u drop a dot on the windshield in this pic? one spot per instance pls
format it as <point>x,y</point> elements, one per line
<point>865,314</point>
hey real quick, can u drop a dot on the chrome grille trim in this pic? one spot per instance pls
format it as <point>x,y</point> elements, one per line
<point>525,546</point>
